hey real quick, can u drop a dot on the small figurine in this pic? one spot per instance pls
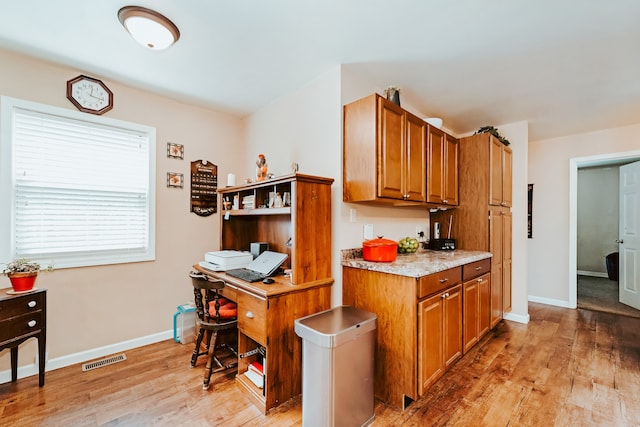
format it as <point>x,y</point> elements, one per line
<point>261,168</point>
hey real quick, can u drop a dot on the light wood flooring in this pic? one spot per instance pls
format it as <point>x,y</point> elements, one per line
<point>565,368</point>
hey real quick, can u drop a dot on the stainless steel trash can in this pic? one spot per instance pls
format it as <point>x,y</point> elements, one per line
<point>338,347</point>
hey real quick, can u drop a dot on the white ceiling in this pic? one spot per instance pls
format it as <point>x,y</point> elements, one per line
<point>566,66</point>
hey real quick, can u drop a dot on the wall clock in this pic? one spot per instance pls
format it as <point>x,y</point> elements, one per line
<point>89,95</point>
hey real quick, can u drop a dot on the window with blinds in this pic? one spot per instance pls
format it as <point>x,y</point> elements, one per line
<point>81,186</point>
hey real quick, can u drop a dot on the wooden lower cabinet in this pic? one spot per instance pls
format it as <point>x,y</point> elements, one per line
<point>439,335</point>
<point>477,310</point>
<point>419,332</point>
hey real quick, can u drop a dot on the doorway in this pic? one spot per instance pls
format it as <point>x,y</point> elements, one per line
<point>613,159</point>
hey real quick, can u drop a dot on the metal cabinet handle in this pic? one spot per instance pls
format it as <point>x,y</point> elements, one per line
<point>444,280</point>
<point>249,315</point>
<point>445,201</point>
<point>31,323</point>
<point>478,268</point>
<point>479,280</point>
<point>445,295</point>
<point>31,304</point>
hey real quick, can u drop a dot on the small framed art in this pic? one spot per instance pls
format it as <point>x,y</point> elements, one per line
<point>175,151</point>
<point>175,179</point>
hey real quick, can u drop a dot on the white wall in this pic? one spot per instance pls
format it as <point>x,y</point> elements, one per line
<point>597,218</point>
<point>96,307</point>
<point>548,254</point>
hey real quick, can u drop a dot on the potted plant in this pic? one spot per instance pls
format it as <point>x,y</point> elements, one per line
<point>22,273</point>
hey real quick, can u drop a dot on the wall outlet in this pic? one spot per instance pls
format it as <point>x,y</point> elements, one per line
<point>419,231</point>
<point>367,232</point>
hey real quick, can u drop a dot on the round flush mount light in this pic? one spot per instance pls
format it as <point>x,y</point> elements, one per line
<point>148,27</point>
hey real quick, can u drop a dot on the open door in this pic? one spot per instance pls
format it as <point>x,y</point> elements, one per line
<point>629,240</point>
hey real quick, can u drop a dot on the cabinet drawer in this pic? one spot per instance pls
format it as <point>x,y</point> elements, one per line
<point>20,325</point>
<point>24,304</point>
<point>438,281</point>
<point>252,317</point>
<point>475,269</point>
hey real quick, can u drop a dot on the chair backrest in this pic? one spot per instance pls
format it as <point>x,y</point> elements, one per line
<point>206,290</point>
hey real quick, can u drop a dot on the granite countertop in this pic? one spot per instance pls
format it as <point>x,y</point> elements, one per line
<point>421,263</point>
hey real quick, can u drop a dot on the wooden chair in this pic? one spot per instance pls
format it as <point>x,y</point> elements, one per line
<point>214,314</point>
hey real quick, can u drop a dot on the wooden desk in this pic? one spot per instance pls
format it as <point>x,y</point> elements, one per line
<point>23,316</point>
<point>266,316</point>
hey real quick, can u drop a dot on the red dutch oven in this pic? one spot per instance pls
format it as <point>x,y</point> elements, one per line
<point>379,250</point>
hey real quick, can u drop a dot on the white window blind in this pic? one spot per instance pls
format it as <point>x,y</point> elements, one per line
<point>81,189</point>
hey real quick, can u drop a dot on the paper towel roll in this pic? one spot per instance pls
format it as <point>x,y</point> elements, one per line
<point>231,180</point>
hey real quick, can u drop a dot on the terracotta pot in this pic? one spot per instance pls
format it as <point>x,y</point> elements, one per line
<point>379,250</point>
<point>23,281</point>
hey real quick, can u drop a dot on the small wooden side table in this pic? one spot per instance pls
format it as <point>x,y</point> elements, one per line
<point>23,316</point>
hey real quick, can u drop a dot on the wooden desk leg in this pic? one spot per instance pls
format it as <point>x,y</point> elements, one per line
<point>14,364</point>
<point>41,357</point>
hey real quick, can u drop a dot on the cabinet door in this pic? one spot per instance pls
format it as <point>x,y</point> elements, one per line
<point>495,247</point>
<point>495,171</point>
<point>416,169</point>
<point>452,325</point>
<point>451,153</point>
<point>430,341</point>
<point>471,313</point>
<point>507,174</point>
<point>435,161</point>
<point>506,261</point>
<point>391,152</point>
<point>484,306</point>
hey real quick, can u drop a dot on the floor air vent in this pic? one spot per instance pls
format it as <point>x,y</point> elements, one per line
<point>103,362</point>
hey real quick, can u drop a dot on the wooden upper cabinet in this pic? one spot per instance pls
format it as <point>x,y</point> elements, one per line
<point>500,173</point>
<point>391,150</point>
<point>416,147</point>
<point>442,167</point>
<point>435,160</point>
<point>451,157</point>
<point>384,157</point>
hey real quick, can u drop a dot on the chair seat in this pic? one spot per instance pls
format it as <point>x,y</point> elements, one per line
<point>227,310</point>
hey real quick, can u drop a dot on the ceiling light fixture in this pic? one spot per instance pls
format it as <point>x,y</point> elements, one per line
<point>148,27</point>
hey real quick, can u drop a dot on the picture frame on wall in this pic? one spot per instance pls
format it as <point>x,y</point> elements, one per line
<point>175,180</point>
<point>175,151</point>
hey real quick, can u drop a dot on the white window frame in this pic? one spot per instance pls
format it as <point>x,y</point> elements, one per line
<point>8,107</point>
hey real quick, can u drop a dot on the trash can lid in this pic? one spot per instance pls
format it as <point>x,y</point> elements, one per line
<point>332,327</point>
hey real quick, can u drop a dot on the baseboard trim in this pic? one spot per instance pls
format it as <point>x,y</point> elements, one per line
<point>83,356</point>
<point>516,317</point>
<point>550,301</point>
<point>592,274</point>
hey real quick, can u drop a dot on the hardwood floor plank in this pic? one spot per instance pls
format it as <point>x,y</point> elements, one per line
<point>565,368</point>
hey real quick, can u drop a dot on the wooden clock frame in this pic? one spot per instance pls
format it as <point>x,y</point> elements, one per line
<point>70,97</point>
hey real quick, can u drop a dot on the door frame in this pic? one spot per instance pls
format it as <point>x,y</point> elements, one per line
<point>574,164</point>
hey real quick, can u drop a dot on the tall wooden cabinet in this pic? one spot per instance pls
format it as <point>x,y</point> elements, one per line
<point>384,153</point>
<point>482,220</point>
